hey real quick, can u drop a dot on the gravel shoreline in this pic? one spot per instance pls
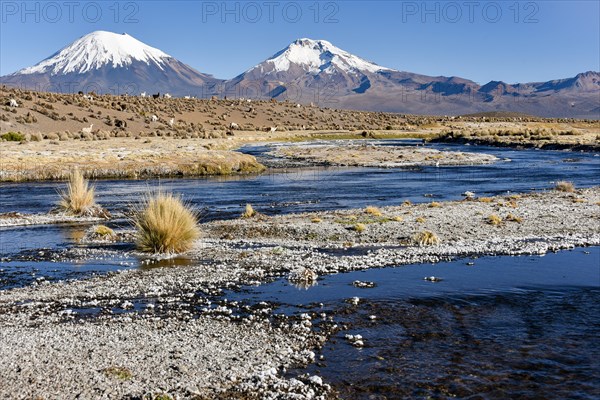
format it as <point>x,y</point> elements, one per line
<point>344,153</point>
<point>160,330</point>
<point>21,219</point>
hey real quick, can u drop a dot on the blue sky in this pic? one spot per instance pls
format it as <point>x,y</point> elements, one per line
<point>480,40</point>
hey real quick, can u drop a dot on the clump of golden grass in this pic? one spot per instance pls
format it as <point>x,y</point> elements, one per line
<point>434,204</point>
<point>494,220</point>
<point>79,198</point>
<point>407,203</point>
<point>165,225</point>
<point>564,186</point>
<point>485,199</point>
<point>398,218</point>
<point>249,211</point>
<point>103,231</point>
<point>513,218</point>
<point>359,227</point>
<point>374,211</point>
<point>426,238</point>
<point>316,220</point>
<point>420,220</point>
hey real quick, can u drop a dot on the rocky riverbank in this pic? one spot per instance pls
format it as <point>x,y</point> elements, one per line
<point>520,137</point>
<point>20,219</point>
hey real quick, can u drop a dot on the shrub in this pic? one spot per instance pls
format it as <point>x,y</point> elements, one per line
<point>248,212</point>
<point>374,211</point>
<point>426,238</point>
<point>494,220</point>
<point>78,199</point>
<point>165,225</point>
<point>13,137</point>
<point>564,186</point>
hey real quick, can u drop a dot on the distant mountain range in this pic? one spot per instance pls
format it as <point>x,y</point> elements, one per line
<point>306,71</point>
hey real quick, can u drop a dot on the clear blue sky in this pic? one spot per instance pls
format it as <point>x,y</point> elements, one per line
<point>483,41</point>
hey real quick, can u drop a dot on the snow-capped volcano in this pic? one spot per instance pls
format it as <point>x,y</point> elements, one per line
<point>107,62</point>
<point>316,56</point>
<point>96,50</point>
<point>308,66</point>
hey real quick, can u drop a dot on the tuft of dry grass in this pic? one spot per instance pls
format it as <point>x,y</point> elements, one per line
<point>374,211</point>
<point>79,197</point>
<point>426,238</point>
<point>485,199</point>
<point>435,204</point>
<point>103,231</point>
<point>407,203</point>
<point>494,220</point>
<point>249,211</point>
<point>512,204</point>
<point>316,220</point>
<point>359,227</point>
<point>165,225</point>
<point>121,373</point>
<point>564,186</point>
<point>513,218</point>
<point>420,220</point>
<point>398,218</point>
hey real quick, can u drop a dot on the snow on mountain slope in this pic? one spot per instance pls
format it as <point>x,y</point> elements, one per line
<point>315,56</point>
<point>96,50</point>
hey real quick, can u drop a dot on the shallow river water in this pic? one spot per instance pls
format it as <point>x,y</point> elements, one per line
<point>493,327</point>
<point>322,188</point>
